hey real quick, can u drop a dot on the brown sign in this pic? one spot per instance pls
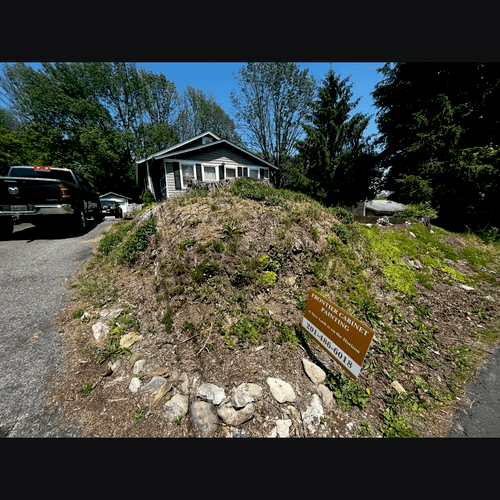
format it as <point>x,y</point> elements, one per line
<point>343,337</point>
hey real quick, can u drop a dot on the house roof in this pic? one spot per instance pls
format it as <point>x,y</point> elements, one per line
<point>171,152</point>
<point>176,146</point>
<point>114,194</point>
<point>384,206</point>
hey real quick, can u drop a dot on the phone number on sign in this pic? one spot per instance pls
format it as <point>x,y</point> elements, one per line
<point>337,353</point>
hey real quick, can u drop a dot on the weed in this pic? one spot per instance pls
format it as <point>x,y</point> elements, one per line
<point>268,278</point>
<point>397,426</point>
<point>138,414</point>
<point>218,246</point>
<point>78,313</point>
<point>231,229</point>
<point>85,389</point>
<point>130,248</point>
<point>314,232</point>
<point>178,420</point>
<point>348,392</point>
<point>167,320</point>
<point>364,428</point>
<point>112,350</point>
<point>287,333</point>
<point>344,233</point>
<point>184,245</point>
<point>194,223</point>
<point>204,271</point>
<point>114,237</point>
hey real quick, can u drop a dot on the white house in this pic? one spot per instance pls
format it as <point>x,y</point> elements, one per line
<point>205,158</point>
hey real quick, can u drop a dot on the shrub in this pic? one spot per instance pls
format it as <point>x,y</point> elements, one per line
<point>418,210</point>
<point>137,241</point>
<point>113,238</point>
<point>344,215</point>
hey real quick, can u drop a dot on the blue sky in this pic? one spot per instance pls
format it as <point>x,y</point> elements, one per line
<point>219,78</point>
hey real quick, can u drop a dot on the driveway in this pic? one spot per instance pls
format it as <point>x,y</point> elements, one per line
<point>34,265</point>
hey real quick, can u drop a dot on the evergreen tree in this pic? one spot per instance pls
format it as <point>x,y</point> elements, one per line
<point>440,133</point>
<point>335,163</point>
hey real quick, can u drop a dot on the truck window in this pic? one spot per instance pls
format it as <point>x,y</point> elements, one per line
<point>63,175</point>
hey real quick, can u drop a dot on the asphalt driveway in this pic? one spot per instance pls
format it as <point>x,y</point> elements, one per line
<point>34,264</point>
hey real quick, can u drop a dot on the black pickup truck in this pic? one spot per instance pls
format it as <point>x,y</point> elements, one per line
<point>44,195</point>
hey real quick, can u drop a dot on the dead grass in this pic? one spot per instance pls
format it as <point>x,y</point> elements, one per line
<point>229,325</point>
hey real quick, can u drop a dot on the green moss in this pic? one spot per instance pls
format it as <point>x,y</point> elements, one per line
<point>401,279</point>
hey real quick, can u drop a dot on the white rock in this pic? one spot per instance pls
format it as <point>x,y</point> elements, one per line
<point>468,288</point>
<point>314,372</point>
<point>283,428</point>
<point>204,418</point>
<point>282,391</point>
<point>398,387</point>
<point>326,395</point>
<point>312,414</point>
<point>110,313</point>
<point>138,366</point>
<point>100,330</point>
<point>183,382</point>
<point>240,398</point>
<point>176,407</point>
<point>230,416</point>
<point>211,393</point>
<point>134,385</point>
<point>252,390</point>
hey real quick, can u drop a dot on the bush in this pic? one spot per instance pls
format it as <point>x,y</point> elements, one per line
<point>344,215</point>
<point>418,210</point>
<point>113,238</point>
<point>137,241</point>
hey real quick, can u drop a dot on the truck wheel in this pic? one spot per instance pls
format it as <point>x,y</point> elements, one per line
<point>6,227</point>
<point>98,216</point>
<point>80,221</point>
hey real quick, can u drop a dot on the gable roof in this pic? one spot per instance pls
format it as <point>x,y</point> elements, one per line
<point>114,194</point>
<point>212,145</point>
<point>178,149</point>
<point>176,146</point>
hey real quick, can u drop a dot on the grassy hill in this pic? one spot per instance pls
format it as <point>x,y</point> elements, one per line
<point>214,285</point>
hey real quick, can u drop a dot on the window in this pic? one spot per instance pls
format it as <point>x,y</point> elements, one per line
<point>253,172</point>
<point>209,174</point>
<point>206,140</point>
<point>163,186</point>
<point>187,174</point>
<point>230,172</point>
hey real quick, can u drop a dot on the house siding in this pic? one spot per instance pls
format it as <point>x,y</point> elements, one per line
<point>219,155</point>
<point>171,191</point>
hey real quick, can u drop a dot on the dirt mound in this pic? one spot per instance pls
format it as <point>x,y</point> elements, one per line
<point>216,295</point>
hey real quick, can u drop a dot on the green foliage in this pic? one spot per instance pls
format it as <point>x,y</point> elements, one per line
<point>147,197</point>
<point>232,229</point>
<point>440,138</point>
<point>204,271</point>
<point>251,330</point>
<point>114,237</point>
<point>77,314</point>
<point>167,320</point>
<point>85,390</point>
<point>397,426</point>
<point>418,210</point>
<point>138,241</point>
<point>348,392</point>
<point>271,100</point>
<point>345,216</point>
<point>112,350</point>
<point>335,164</point>
<point>138,414</point>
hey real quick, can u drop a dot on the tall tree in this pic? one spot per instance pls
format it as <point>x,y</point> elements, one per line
<point>440,134</point>
<point>272,101</point>
<point>336,164</point>
<point>199,113</point>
